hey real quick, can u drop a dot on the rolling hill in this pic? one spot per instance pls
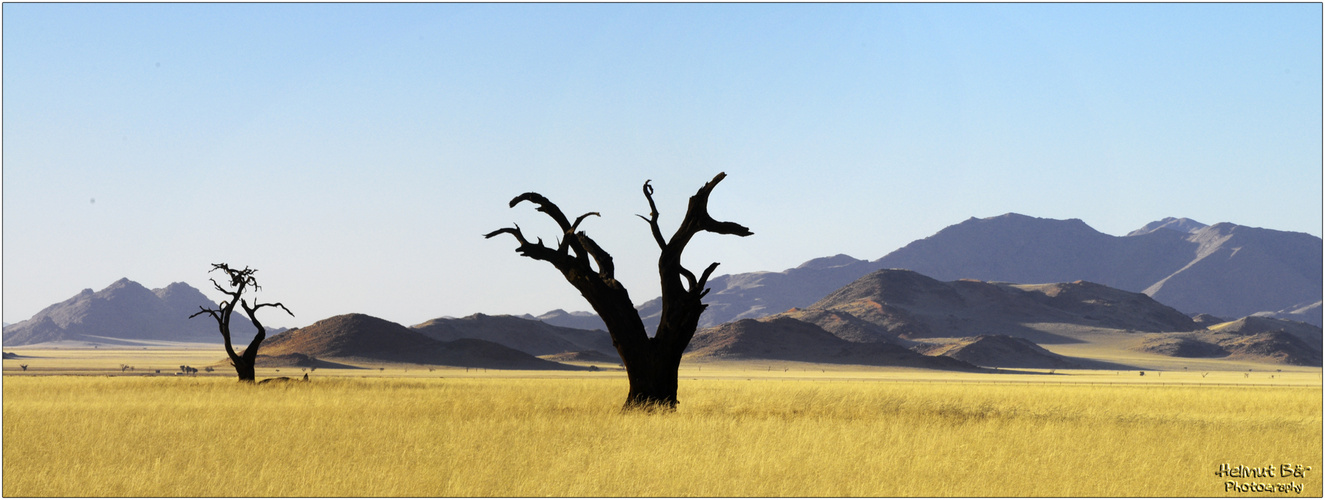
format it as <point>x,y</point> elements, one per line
<point>789,339</point>
<point>999,351</point>
<point>530,336</point>
<point>914,306</point>
<point>363,337</point>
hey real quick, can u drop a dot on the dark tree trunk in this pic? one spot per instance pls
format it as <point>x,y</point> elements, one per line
<point>653,383</point>
<point>651,363</point>
<point>247,372</point>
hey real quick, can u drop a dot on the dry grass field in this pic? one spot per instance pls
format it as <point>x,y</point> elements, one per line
<point>741,430</point>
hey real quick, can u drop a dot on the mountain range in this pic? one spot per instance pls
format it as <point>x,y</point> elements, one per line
<point>872,319</point>
<point>844,310</point>
<point>128,310</point>
<point>1225,270</point>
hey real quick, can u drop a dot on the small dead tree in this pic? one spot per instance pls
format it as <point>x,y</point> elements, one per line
<point>651,363</point>
<point>240,280</point>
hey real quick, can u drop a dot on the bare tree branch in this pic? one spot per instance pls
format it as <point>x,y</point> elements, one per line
<point>513,231</point>
<point>219,288</point>
<point>546,207</point>
<point>215,314</point>
<point>580,218</point>
<point>653,216</point>
<point>606,269</point>
<point>704,278</point>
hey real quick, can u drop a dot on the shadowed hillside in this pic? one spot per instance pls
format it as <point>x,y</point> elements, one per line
<point>296,360</point>
<point>999,351</point>
<point>1266,346</point>
<point>1307,333</point>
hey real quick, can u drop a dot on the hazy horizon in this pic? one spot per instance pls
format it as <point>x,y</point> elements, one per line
<point>356,153</point>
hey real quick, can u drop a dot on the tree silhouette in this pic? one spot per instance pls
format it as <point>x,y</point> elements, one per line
<point>239,281</point>
<point>651,362</point>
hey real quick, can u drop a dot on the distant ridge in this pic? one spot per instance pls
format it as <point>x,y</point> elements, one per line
<point>579,319</point>
<point>1225,269</point>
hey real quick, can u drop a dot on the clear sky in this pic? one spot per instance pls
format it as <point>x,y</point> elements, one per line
<point>356,153</point>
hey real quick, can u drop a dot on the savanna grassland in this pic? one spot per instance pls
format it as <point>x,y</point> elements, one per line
<point>833,434</point>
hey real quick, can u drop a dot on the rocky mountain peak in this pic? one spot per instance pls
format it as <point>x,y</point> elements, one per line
<point>1181,225</point>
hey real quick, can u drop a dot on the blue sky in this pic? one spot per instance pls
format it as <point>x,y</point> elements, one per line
<point>356,153</point>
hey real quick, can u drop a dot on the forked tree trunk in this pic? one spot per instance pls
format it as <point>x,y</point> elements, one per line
<point>651,362</point>
<point>246,363</point>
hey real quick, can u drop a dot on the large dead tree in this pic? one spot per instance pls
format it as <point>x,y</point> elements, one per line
<point>651,362</point>
<point>240,279</point>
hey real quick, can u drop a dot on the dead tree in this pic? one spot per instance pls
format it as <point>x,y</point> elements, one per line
<point>245,362</point>
<point>651,362</point>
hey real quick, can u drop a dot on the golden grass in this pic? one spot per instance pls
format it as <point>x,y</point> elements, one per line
<point>156,436</point>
